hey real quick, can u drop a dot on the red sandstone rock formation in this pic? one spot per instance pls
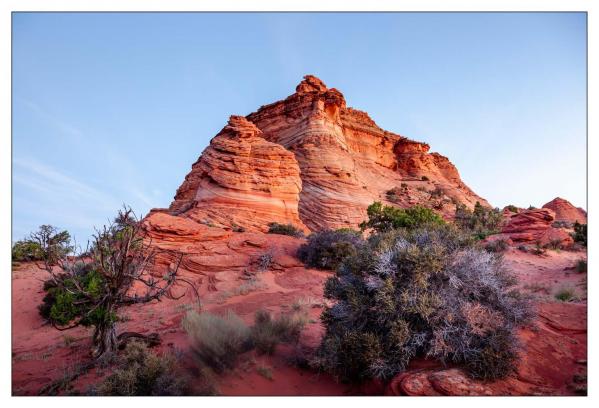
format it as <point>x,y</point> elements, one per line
<point>566,212</point>
<point>241,179</point>
<point>312,161</point>
<point>532,226</point>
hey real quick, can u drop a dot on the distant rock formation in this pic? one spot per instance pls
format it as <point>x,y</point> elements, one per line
<point>535,226</point>
<point>312,161</point>
<point>566,212</point>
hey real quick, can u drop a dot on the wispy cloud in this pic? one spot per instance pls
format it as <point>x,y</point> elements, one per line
<point>45,193</point>
<point>64,127</point>
<point>46,179</point>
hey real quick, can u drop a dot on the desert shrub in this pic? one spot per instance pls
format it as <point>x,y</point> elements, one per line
<point>385,218</point>
<point>566,294</point>
<point>267,331</point>
<point>326,249</point>
<point>141,372</point>
<point>538,249</point>
<point>498,246</point>
<point>554,244</point>
<point>90,291</point>
<point>438,192</point>
<point>217,341</point>
<point>64,302</point>
<point>47,244</point>
<point>511,208</point>
<point>237,228</point>
<point>481,222</point>
<point>265,372</point>
<point>580,233</point>
<point>284,229</point>
<point>427,292</point>
<point>265,260</point>
<point>532,207</point>
<point>581,266</point>
<point>393,194</point>
<point>25,251</point>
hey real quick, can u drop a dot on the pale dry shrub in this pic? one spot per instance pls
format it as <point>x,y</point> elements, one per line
<point>217,341</point>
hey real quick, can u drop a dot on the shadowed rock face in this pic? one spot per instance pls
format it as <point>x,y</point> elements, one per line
<point>312,161</point>
<point>566,212</point>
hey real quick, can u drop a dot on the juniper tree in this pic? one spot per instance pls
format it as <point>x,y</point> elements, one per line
<point>119,269</point>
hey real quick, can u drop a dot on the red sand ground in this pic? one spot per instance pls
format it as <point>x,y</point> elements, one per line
<point>554,351</point>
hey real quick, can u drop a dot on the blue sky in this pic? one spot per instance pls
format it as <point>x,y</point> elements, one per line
<point>114,108</point>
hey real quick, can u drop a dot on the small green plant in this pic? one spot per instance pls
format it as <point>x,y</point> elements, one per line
<point>438,192</point>
<point>538,249</point>
<point>580,233</point>
<point>581,266</point>
<point>285,229</point>
<point>394,194</point>
<point>554,244</point>
<point>237,228</point>
<point>141,372</point>
<point>68,340</point>
<point>511,208</point>
<point>480,222</point>
<point>531,207</point>
<point>385,218</point>
<point>566,294</point>
<point>497,246</point>
<point>265,372</point>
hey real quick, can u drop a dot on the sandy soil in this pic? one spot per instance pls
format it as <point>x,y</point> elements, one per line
<point>42,354</point>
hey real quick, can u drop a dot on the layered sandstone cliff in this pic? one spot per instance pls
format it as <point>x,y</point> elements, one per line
<point>312,161</point>
<point>241,180</point>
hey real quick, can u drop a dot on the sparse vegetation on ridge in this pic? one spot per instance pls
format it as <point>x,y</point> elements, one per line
<point>511,208</point>
<point>383,218</point>
<point>285,229</point>
<point>480,222</point>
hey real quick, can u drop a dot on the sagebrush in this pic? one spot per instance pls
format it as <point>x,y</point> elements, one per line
<point>327,249</point>
<point>428,292</point>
